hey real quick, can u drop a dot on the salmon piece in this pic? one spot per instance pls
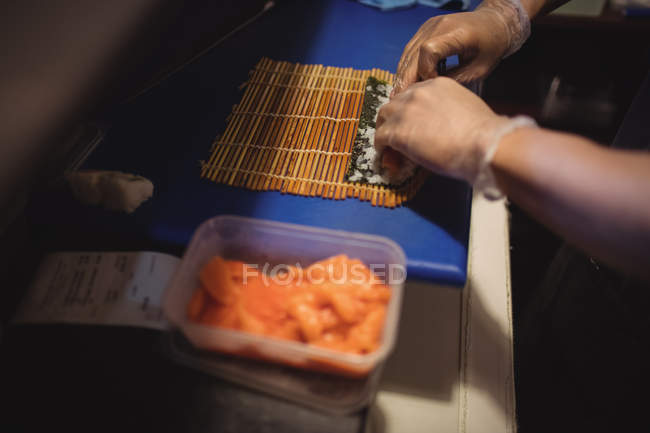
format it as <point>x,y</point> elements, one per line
<point>265,300</point>
<point>220,316</point>
<point>337,303</point>
<point>345,306</point>
<point>288,330</point>
<point>329,318</point>
<point>314,295</point>
<point>378,292</point>
<point>360,274</point>
<point>196,304</point>
<point>237,270</point>
<point>217,279</point>
<point>392,161</point>
<point>328,269</point>
<point>365,335</point>
<point>308,320</point>
<point>248,322</point>
<point>333,341</point>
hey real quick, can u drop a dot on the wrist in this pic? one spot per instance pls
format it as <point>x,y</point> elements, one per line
<point>508,147</point>
<point>514,17</point>
<point>497,139</point>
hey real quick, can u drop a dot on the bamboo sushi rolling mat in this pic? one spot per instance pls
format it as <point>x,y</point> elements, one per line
<point>293,132</point>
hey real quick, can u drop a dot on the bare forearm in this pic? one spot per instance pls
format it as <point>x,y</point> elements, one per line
<point>596,198</point>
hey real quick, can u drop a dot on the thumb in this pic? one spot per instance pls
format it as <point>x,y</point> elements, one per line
<point>407,74</point>
<point>383,137</point>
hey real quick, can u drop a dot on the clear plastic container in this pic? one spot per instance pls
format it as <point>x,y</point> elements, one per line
<point>261,242</point>
<point>321,391</point>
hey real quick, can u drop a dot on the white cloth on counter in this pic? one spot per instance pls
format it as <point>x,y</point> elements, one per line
<point>113,190</point>
<point>387,5</point>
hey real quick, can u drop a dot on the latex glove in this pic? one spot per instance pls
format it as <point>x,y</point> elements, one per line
<point>446,128</point>
<point>481,39</point>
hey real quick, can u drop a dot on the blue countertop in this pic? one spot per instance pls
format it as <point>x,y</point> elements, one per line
<point>164,133</point>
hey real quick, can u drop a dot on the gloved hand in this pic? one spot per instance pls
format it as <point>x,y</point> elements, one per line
<point>497,28</point>
<point>446,128</point>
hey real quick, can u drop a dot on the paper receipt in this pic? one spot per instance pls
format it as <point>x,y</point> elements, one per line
<point>99,288</point>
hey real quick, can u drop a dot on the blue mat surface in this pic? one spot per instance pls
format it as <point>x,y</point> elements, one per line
<point>164,133</point>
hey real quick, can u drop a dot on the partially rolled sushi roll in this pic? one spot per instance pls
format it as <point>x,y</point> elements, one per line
<point>367,166</point>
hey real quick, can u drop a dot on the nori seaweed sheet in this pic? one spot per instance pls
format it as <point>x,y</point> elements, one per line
<point>377,91</point>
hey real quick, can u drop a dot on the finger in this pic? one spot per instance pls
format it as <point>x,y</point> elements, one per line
<point>385,112</point>
<point>386,136</point>
<point>382,137</point>
<point>407,66</point>
<point>406,74</point>
<point>432,52</point>
<point>403,81</point>
<point>469,72</point>
<point>381,119</point>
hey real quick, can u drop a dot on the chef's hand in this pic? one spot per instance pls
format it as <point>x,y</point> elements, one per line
<point>480,39</point>
<point>440,125</point>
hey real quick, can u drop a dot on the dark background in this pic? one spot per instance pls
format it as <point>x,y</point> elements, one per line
<point>574,74</point>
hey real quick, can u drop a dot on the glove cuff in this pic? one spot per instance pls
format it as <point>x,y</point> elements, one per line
<point>485,182</point>
<point>514,18</point>
<point>520,27</point>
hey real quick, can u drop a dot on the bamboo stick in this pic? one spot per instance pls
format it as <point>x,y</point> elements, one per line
<point>305,158</point>
<point>328,170</point>
<point>317,128</point>
<point>218,156</point>
<point>240,153</point>
<point>272,182</point>
<point>233,128</point>
<point>269,106</point>
<point>298,143</point>
<point>354,112</point>
<point>347,138</point>
<point>332,112</point>
<point>324,129</point>
<point>266,166</point>
<point>294,132</point>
